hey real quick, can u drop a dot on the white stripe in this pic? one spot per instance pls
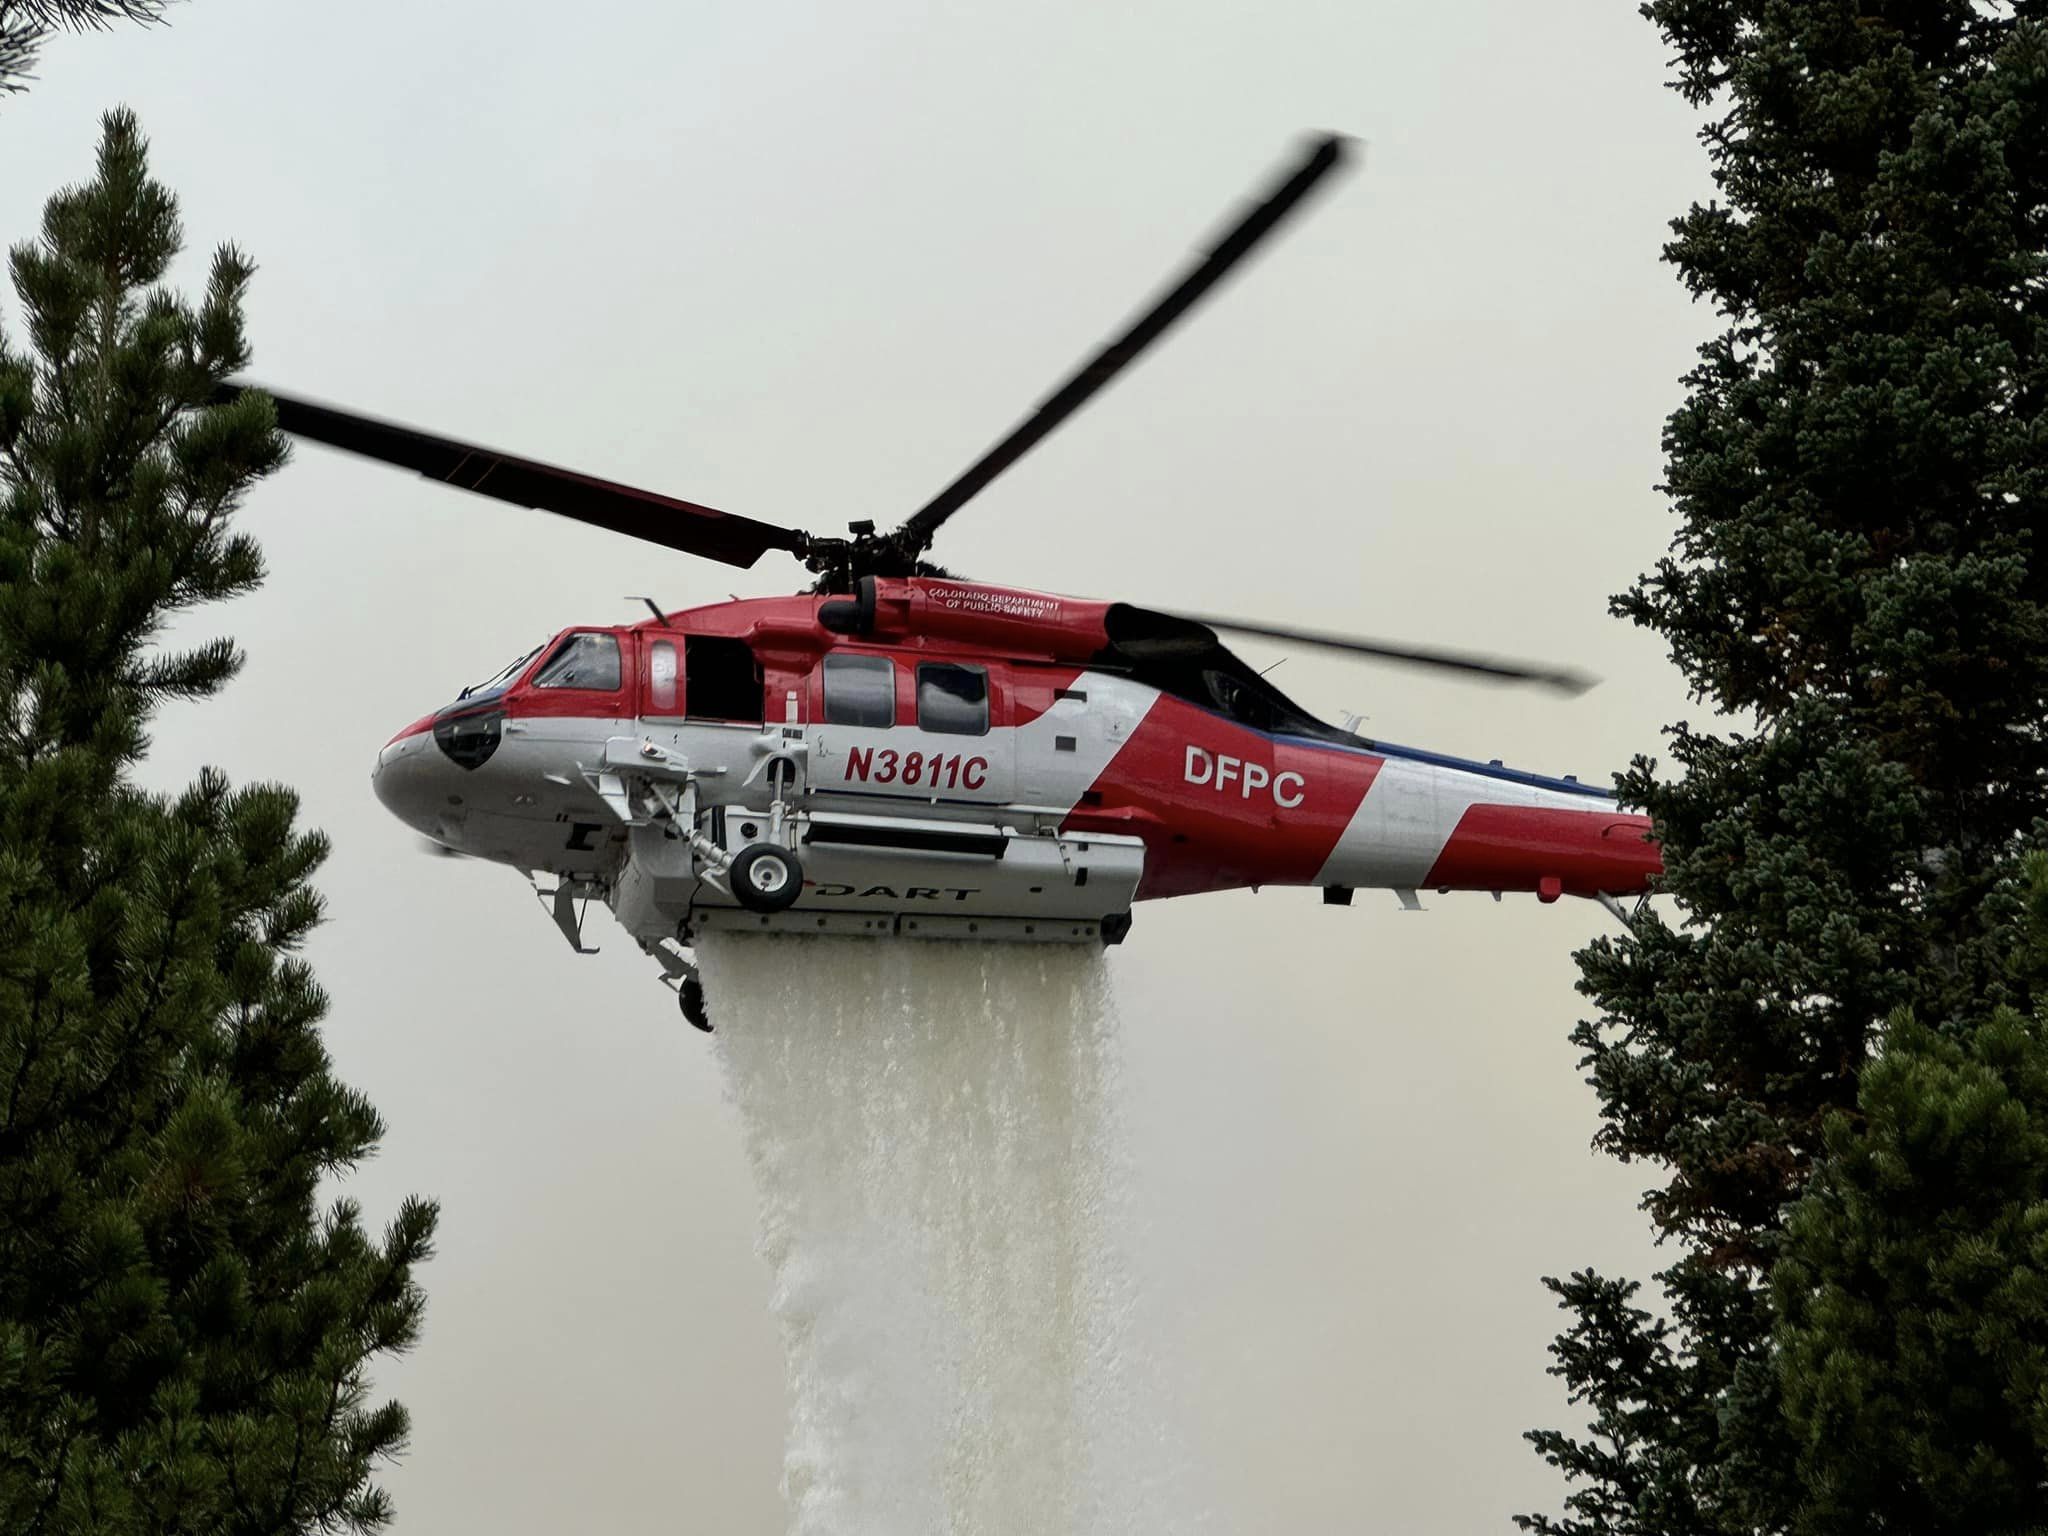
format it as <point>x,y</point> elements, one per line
<point>1093,731</point>
<point>1409,813</point>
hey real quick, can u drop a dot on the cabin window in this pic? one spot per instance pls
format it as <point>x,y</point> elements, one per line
<point>662,674</point>
<point>721,679</point>
<point>860,690</point>
<point>952,700</point>
<point>582,661</point>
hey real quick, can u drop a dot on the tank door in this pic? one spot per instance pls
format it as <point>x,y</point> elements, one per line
<point>911,729</point>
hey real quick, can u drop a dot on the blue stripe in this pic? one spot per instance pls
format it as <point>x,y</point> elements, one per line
<point>1461,764</point>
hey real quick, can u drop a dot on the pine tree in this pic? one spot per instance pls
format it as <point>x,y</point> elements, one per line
<point>1859,469</point>
<point>184,1330</point>
<point>1912,1292</point>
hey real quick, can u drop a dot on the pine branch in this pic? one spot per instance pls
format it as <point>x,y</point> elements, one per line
<point>81,15</point>
<point>26,24</point>
<point>20,44</point>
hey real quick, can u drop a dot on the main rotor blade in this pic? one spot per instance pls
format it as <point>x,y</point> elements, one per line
<point>681,525</point>
<point>1323,156</point>
<point>1499,668</point>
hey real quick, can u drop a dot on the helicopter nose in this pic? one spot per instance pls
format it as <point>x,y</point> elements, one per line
<point>412,780</point>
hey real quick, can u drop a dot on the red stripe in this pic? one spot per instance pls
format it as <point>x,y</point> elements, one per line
<point>1211,837</point>
<point>1518,848</point>
<point>424,723</point>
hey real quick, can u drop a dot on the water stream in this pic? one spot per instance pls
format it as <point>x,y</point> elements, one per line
<point>932,1134</point>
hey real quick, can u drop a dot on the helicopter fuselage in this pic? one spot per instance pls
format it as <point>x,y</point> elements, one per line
<point>935,758</point>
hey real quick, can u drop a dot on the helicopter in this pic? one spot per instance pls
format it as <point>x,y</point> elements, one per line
<point>901,753</point>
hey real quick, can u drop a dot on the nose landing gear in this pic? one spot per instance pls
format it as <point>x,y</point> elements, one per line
<point>765,878</point>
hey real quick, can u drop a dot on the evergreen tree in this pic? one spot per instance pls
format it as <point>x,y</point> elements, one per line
<point>26,24</point>
<point>184,1331</point>
<point>1859,470</point>
<point>1912,1292</point>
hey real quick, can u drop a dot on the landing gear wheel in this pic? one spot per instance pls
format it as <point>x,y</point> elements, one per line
<point>691,995</point>
<point>765,878</point>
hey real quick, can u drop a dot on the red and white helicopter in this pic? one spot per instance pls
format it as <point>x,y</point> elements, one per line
<point>901,753</point>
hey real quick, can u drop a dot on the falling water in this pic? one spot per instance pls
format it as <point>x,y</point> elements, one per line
<point>931,1132</point>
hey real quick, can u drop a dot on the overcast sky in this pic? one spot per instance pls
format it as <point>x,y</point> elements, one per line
<point>804,261</point>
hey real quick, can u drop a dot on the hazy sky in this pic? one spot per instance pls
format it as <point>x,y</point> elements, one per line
<point>804,261</point>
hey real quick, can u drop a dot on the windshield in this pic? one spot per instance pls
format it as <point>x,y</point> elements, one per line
<point>499,680</point>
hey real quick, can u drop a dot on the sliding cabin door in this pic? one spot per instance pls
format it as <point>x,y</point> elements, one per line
<point>707,678</point>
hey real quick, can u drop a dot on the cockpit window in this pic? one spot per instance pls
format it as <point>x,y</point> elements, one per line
<point>582,661</point>
<point>499,680</point>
